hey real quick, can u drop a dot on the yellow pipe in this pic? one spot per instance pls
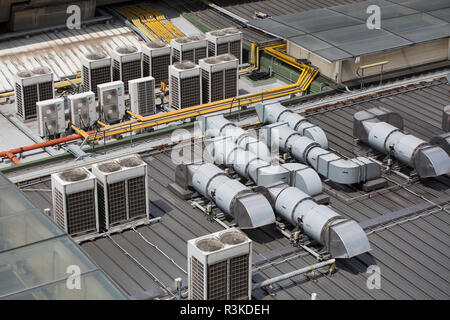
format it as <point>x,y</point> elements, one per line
<point>81,132</point>
<point>58,85</point>
<point>137,116</point>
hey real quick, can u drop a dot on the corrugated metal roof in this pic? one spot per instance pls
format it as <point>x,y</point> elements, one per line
<point>59,50</point>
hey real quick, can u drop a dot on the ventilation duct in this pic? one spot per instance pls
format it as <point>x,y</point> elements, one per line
<point>343,238</point>
<point>249,209</point>
<point>271,113</point>
<point>381,128</point>
<point>326,163</point>
<point>442,141</point>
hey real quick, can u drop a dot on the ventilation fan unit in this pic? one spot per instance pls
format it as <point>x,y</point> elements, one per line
<point>112,101</point>
<point>32,86</point>
<point>75,201</point>
<point>227,40</point>
<point>122,190</point>
<point>142,96</point>
<point>192,48</point>
<point>96,70</point>
<point>156,61</point>
<point>51,117</point>
<point>219,266</point>
<point>185,85</point>
<point>219,77</point>
<point>83,110</point>
<point>127,64</point>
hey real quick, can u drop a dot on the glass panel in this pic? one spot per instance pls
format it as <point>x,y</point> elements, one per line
<point>418,27</point>
<point>310,42</point>
<point>21,229</point>
<point>359,10</point>
<point>424,5</point>
<point>13,201</point>
<point>39,263</point>
<point>93,286</point>
<point>3,180</point>
<point>275,28</point>
<point>443,14</point>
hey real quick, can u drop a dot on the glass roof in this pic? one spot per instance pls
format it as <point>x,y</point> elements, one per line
<point>36,255</point>
<point>340,32</point>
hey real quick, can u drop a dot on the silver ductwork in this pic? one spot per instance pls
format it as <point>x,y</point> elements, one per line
<point>381,128</point>
<point>343,238</point>
<point>326,163</point>
<point>249,209</point>
<point>275,112</point>
<point>442,140</point>
<point>216,125</point>
<point>225,150</point>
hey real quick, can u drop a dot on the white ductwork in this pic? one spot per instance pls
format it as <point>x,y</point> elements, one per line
<point>343,238</point>
<point>382,130</point>
<point>242,152</point>
<point>326,163</point>
<point>249,209</point>
<point>275,112</point>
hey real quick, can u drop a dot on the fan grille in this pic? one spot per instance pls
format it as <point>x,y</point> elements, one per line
<point>72,175</point>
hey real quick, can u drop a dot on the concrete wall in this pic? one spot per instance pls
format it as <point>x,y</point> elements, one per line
<point>411,56</point>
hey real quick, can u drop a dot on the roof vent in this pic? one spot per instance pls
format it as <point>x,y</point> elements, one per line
<point>196,37</point>
<point>73,175</point>
<point>155,45</point>
<point>126,49</point>
<point>209,244</point>
<point>96,55</point>
<point>131,162</point>
<point>41,70</point>
<point>232,237</point>
<point>107,167</point>
<point>184,65</point>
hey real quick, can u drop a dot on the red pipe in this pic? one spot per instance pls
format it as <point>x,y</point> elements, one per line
<point>12,157</point>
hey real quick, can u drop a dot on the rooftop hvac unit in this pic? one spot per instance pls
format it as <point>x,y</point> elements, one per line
<point>32,86</point>
<point>219,77</point>
<point>96,70</point>
<point>75,201</point>
<point>51,118</point>
<point>185,85</point>
<point>192,48</point>
<point>127,64</point>
<point>156,61</point>
<point>83,110</point>
<point>219,266</point>
<point>122,190</point>
<point>142,96</point>
<point>112,102</point>
<point>227,40</point>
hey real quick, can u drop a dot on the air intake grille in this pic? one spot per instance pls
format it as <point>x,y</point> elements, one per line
<point>160,69</point>
<point>19,100</point>
<point>205,86</point>
<point>176,55</point>
<point>190,91</point>
<point>211,49</point>
<point>81,212</point>
<point>230,83</point>
<point>145,65</point>
<point>188,55</point>
<point>217,89</point>
<point>239,282</point>
<point>235,49</point>
<point>59,208</point>
<point>197,283</point>
<point>222,48</point>
<point>146,98</point>
<point>30,97</point>
<point>217,281</point>
<point>85,79</point>
<point>117,210</point>
<point>99,76</point>
<point>175,99</point>
<point>137,203</point>
<point>101,203</point>
<point>45,91</point>
<point>200,53</point>
<point>130,70</point>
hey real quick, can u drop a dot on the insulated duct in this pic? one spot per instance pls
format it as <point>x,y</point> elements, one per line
<point>381,128</point>
<point>326,163</point>
<point>243,153</point>
<point>249,209</point>
<point>342,237</point>
<point>217,125</point>
<point>223,150</point>
<point>275,112</point>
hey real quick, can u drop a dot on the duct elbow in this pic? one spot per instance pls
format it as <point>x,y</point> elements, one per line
<point>347,240</point>
<point>252,210</point>
<point>431,161</point>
